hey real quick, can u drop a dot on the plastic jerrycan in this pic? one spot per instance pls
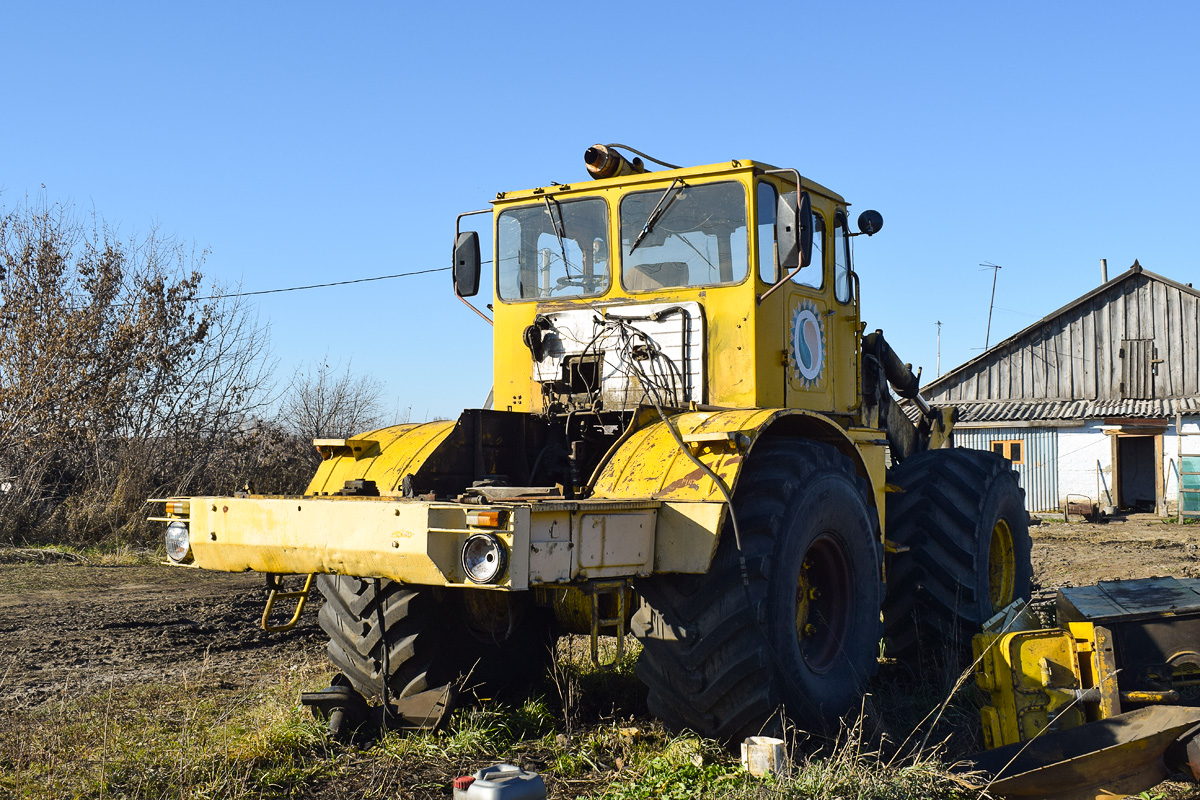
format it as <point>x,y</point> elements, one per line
<point>501,782</point>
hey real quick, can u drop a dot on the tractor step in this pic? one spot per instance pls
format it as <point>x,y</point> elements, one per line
<point>618,589</point>
<point>277,591</point>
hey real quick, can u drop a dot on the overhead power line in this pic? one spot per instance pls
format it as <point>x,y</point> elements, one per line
<point>285,289</point>
<point>324,285</point>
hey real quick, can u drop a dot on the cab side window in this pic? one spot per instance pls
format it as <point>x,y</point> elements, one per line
<point>841,260</point>
<point>768,265</point>
<point>814,274</point>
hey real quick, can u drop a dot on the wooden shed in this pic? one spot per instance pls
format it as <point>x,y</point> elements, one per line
<point>1095,401</point>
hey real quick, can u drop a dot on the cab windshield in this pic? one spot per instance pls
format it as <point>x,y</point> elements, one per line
<point>684,236</point>
<point>555,249</point>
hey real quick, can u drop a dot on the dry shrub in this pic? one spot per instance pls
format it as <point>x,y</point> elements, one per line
<point>119,377</point>
<point>122,378</point>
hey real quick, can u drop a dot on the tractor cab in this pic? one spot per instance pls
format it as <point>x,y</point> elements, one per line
<point>720,285</point>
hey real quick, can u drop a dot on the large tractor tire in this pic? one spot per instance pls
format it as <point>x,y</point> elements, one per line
<point>435,643</point>
<point>722,658</point>
<point>961,515</point>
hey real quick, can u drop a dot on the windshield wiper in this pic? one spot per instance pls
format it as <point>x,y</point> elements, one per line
<point>656,214</point>
<point>560,229</point>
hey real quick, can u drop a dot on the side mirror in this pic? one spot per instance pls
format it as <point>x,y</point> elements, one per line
<point>466,264</point>
<point>869,222</point>
<point>793,231</point>
<point>806,229</point>
<point>787,238</point>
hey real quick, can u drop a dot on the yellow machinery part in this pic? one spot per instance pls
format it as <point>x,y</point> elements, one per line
<point>384,456</point>
<point>1002,565</point>
<point>1044,680</point>
<point>418,541</point>
<point>410,541</point>
<point>276,592</point>
<point>1055,725</point>
<point>555,541</point>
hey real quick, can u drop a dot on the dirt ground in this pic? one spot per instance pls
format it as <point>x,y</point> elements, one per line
<point>68,628</point>
<point>1137,546</point>
<point>65,625</point>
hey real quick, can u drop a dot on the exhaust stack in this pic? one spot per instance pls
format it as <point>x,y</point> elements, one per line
<point>604,162</point>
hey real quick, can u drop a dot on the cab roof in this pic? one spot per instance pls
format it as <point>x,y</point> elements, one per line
<point>590,186</point>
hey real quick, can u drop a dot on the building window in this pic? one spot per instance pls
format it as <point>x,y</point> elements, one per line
<point>1012,449</point>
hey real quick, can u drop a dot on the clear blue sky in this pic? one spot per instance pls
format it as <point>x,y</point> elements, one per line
<point>305,143</point>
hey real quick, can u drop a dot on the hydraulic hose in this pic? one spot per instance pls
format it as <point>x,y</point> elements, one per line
<point>899,374</point>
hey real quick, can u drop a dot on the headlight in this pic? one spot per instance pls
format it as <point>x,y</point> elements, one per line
<point>179,546</point>
<point>484,558</point>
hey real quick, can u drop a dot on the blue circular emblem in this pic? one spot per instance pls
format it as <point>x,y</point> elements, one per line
<point>807,343</point>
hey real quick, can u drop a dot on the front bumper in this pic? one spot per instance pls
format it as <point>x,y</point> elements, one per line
<point>420,542</point>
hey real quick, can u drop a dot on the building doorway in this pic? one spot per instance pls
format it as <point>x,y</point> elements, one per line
<point>1135,472</point>
<point>1138,472</point>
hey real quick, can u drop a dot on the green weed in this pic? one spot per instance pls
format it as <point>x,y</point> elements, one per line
<point>204,740</point>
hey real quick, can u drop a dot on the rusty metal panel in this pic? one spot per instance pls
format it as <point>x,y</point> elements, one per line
<point>616,544</point>
<point>1113,757</point>
<point>1143,598</point>
<point>1038,473</point>
<point>1155,624</point>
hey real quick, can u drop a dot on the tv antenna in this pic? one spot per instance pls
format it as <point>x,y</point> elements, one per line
<point>995,268</point>
<point>939,348</point>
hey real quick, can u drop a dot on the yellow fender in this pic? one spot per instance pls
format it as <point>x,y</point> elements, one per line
<point>648,464</point>
<point>384,456</point>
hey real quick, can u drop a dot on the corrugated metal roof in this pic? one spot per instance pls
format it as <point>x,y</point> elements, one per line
<point>1017,411</point>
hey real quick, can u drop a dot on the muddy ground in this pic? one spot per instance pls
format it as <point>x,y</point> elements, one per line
<point>66,625</point>
<point>1138,546</point>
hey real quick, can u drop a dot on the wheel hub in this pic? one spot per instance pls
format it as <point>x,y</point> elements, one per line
<point>823,603</point>
<point>1002,566</point>
<point>803,601</point>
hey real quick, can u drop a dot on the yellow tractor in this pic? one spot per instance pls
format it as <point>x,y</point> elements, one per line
<point>693,440</point>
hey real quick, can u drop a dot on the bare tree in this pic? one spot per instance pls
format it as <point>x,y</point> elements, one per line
<point>324,403</point>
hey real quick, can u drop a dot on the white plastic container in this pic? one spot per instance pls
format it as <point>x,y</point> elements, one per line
<point>503,782</point>
<point>764,755</point>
